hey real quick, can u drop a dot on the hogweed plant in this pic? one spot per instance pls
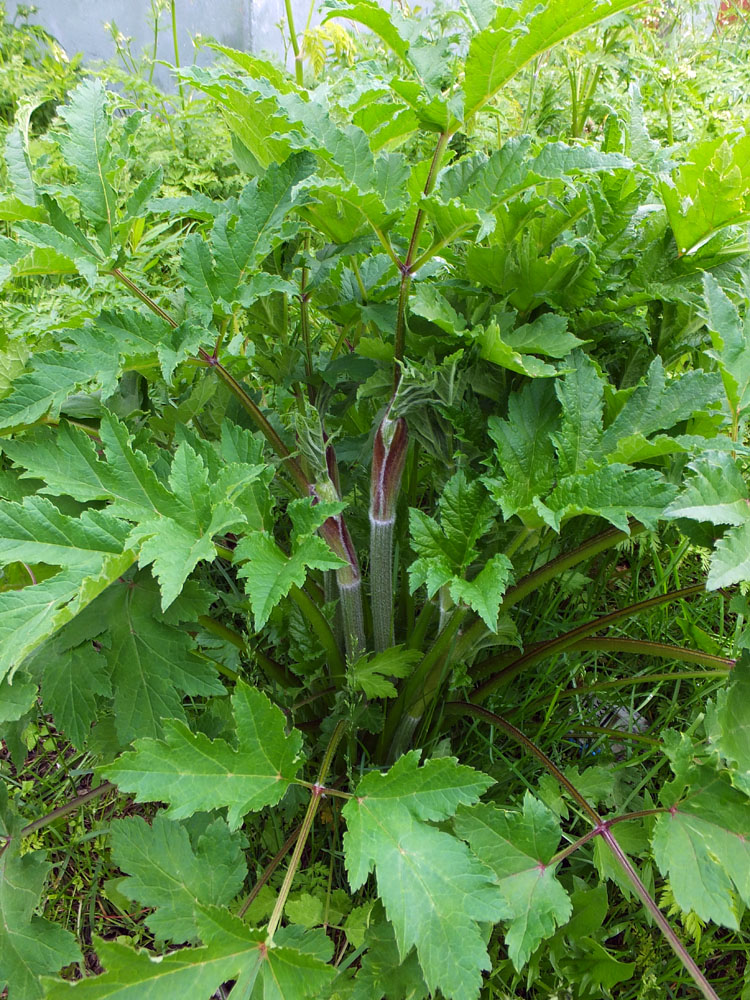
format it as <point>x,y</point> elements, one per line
<point>480,362</point>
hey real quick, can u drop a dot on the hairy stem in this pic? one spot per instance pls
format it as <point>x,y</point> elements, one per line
<point>381,581</point>
<point>354,620</point>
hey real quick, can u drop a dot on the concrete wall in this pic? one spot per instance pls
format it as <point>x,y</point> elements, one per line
<point>78,25</point>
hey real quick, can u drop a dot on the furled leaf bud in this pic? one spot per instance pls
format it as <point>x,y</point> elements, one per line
<point>388,459</point>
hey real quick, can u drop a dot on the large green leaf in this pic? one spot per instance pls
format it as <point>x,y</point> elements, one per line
<point>715,492</point>
<point>34,613</point>
<point>173,528</point>
<point>728,723</point>
<point>242,238</point>
<point>435,894</point>
<point>517,847</point>
<point>730,336</point>
<point>292,968</point>
<point>73,684</point>
<point>730,562</point>
<point>581,395</point>
<point>614,492</point>
<point>193,773</point>
<point>54,376</point>
<point>659,402</point>
<point>518,33</point>
<point>168,872</point>
<point>709,191</point>
<point>524,450</point>
<point>86,147</point>
<point>35,531</point>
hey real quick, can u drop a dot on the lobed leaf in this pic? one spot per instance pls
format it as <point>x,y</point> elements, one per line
<point>434,893</point>
<point>193,773</point>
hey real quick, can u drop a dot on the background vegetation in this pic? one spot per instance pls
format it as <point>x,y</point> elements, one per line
<point>395,416</point>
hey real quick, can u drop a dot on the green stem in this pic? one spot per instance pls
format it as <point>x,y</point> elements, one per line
<point>273,670</point>
<point>415,687</point>
<point>535,580</point>
<point>415,640</point>
<point>295,43</point>
<point>69,807</point>
<point>315,797</point>
<point>467,708</point>
<point>269,870</point>
<point>663,650</point>
<point>406,267</point>
<point>175,44</point>
<point>304,319</point>
<point>562,642</point>
<point>584,689</point>
<point>664,926</point>
<point>614,734</point>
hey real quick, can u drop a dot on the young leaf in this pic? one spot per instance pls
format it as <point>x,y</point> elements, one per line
<point>370,673</point>
<point>270,574</point>
<point>484,593</point>
<point>518,847</point>
<point>708,192</point>
<point>169,873</point>
<point>193,773</point>
<point>434,893</point>
<point>174,530</point>
<point>524,450</point>
<point>242,238</point>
